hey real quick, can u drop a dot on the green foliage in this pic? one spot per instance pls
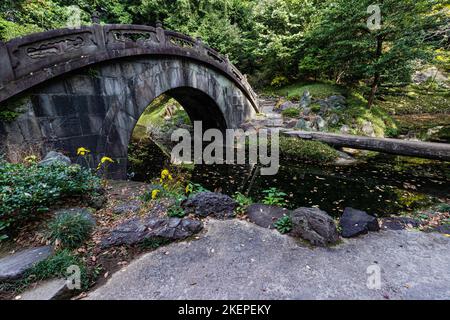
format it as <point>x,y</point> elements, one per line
<point>176,211</point>
<point>195,188</point>
<point>8,116</point>
<point>57,266</point>
<point>315,108</point>
<point>28,190</point>
<point>243,202</point>
<point>318,90</point>
<point>312,151</point>
<point>70,229</point>
<point>284,225</point>
<point>274,197</point>
<point>291,113</point>
<point>279,81</point>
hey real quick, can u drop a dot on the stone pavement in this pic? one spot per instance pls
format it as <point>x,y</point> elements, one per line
<point>239,260</point>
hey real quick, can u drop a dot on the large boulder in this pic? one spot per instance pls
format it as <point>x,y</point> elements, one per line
<point>287,105</point>
<point>336,101</point>
<point>205,204</point>
<point>265,216</point>
<point>356,222</point>
<point>315,226</point>
<point>136,230</point>
<point>54,157</point>
<point>13,267</point>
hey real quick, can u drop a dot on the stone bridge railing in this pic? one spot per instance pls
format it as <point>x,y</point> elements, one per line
<point>28,61</point>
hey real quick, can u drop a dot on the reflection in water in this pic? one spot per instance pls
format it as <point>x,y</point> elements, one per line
<point>381,185</point>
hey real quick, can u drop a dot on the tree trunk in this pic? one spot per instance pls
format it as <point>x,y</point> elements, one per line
<point>377,76</point>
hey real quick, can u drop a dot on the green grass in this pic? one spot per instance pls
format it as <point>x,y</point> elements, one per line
<point>311,151</point>
<point>291,113</point>
<point>57,266</point>
<point>70,229</point>
<point>318,90</point>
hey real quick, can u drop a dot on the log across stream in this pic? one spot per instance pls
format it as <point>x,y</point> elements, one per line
<point>426,150</point>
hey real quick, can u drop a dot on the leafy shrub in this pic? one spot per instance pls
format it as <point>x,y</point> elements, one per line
<point>28,190</point>
<point>311,151</point>
<point>70,229</point>
<point>279,82</point>
<point>274,197</point>
<point>57,266</point>
<point>284,225</point>
<point>290,113</point>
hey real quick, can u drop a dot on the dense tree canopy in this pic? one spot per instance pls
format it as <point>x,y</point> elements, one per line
<point>288,39</point>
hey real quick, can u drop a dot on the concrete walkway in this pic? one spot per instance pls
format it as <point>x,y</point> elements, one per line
<point>238,260</point>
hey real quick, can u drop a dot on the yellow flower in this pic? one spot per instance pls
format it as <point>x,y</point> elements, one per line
<point>155,193</point>
<point>31,159</point>
<point>164,174</point>
<point>107,159</point>
<point>82,151</point>
<point>188,188</point>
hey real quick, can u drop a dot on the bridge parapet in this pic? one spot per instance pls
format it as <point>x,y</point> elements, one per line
<point>33,59</point>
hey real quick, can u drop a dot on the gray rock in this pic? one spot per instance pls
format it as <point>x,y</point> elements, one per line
<point>336,102</point>
<point>302,124</point>
<point>54,157</point>
<point>125,208</point>
<point>314,225</point>
<point>368,129</point>
<point>345,129</point>
<point>356,222</point>
<point>14,266</point>
<point>287,105</point>
<point>210,204</point>
<point>445,229</point>
<point>136,230</point>
<point>49,290</point>
<point>290,124</point>
<point>344,159</point>
<point>265,216</point>
<point>320,124</point>
<point>305,100</point>
<point>306,111</point>
<point>334,119</point>
<point>399,223</point>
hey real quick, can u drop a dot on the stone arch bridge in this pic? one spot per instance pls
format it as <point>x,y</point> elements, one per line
<point>88,87</point>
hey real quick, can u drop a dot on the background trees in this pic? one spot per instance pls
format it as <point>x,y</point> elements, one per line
<point>276,39</point>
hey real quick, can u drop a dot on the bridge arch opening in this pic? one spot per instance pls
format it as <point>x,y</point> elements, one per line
<point>150,141</point>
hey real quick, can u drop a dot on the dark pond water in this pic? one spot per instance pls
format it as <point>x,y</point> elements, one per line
<point>380,185</point>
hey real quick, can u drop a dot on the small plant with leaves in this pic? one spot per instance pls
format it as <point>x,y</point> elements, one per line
<point>194,188</point>
<point>274,197</point>
<point>176,211</point>
<point>70,230</point>
<point>243,202</point>
<point>284,225</point>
